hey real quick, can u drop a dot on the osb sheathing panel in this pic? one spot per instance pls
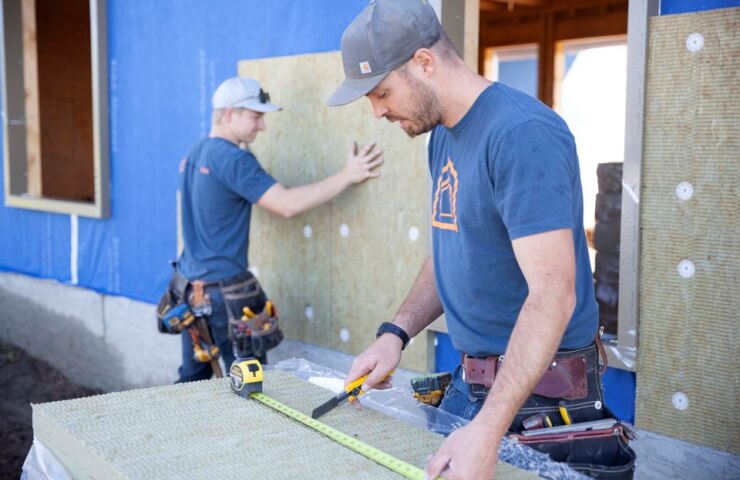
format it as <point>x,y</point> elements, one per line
<point>353,282</point>
<point>203,430</point>
<point>689,325</point>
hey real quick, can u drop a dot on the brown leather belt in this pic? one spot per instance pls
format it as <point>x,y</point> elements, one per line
<point>565,377</point>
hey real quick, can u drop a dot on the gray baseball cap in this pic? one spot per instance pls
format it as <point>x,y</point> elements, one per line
<point>384,36</point>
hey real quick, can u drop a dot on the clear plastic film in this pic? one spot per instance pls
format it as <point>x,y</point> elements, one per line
<point>41,464</point>
<point>622,353</point>
<point>398,402</point>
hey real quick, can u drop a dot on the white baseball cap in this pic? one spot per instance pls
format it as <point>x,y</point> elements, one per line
<point>243,92</point>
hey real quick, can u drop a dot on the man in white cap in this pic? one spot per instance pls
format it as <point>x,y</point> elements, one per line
<point>220,180</point>
<point>509,268</point>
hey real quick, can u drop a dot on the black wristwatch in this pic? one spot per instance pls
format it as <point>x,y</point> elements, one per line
<point>387,327</point>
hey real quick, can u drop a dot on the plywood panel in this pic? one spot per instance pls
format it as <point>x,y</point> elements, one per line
<point>352,283</point>
<point>689,324</point>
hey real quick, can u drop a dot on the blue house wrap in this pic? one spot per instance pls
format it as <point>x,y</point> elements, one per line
<point>166,57</point>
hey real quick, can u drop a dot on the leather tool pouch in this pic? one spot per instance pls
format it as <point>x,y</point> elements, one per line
<point>258,335</point>
<point>172,298</point>
<point>251,337</point>
<point>602,454</point>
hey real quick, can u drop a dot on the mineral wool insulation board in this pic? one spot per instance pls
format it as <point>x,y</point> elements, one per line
<point>688,381</point>
<point>203,430</point>
<point>338,271</point>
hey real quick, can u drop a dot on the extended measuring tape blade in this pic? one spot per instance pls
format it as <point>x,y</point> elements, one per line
<point>378,456</point>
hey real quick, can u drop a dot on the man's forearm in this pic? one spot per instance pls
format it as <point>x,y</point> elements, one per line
<point>306,197</point>
<point>532,346</point>
<point>422,305</point>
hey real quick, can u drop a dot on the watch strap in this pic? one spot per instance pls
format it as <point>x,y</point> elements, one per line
<point>387,327</point>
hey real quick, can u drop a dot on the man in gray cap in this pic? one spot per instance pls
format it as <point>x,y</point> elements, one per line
<point>509,268</point>
<point>220,180</point>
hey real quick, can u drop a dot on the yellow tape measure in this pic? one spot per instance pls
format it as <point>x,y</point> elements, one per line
<point>378,456</point>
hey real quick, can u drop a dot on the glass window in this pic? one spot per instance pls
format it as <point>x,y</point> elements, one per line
<point>515,66</point>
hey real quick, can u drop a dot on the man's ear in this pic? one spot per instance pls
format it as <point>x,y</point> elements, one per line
<point>425,61</point>
<point>228,112</point>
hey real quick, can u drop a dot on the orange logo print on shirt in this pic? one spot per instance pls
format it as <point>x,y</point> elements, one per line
<point>445,199</point>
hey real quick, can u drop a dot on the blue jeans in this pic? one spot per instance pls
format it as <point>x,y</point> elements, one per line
<point>192,370</point>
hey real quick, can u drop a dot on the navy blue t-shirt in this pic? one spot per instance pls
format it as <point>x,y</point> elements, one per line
<point>219,182</point>
<point>508,169</point>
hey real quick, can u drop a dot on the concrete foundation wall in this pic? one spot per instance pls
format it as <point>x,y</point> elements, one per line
<point>99,341</point>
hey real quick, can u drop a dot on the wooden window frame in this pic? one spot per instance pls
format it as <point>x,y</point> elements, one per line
<point>15,164</point>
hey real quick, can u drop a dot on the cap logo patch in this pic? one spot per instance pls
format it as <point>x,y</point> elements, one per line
<point>365,67</point>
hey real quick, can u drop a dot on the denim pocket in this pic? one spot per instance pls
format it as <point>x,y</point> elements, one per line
<point>460,403</point>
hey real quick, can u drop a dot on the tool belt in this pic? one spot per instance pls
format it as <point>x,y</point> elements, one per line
<point>173,312</point>
<point>595,443</point>
<point>253,320</point>
<point>602,453</point>
<point>564,378</point>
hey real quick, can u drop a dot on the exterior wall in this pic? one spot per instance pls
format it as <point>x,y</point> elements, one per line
<point>688,290</point>
<point>669,7</point>
<point>166,57</point>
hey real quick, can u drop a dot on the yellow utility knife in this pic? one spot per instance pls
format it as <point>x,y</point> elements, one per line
<point>351,391</point>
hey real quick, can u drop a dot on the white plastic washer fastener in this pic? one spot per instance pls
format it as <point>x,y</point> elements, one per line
<point>344,335</point>
<point>307,231</point>
<point>413,234</point>
<point>686,268</point>
<point>684,191</point>
<point>695,42</point>
<point>597,405</point>
<point>308,312</point>
<point>344,230</point>
<point>680,401</point>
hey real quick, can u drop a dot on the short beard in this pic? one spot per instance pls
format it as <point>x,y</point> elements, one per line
<point>425,109</point>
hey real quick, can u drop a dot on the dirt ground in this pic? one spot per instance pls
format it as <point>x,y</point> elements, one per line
<point>25,380</point>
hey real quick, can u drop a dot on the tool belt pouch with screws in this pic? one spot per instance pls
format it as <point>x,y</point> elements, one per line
<point>602,454</point>
<point>173,313</point>
<point>252,330</point>
<point>253,337</point>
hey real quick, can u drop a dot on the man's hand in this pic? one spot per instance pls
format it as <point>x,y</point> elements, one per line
<point>470,452</point>
<point>376,362</point>
<point>360,165</point>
